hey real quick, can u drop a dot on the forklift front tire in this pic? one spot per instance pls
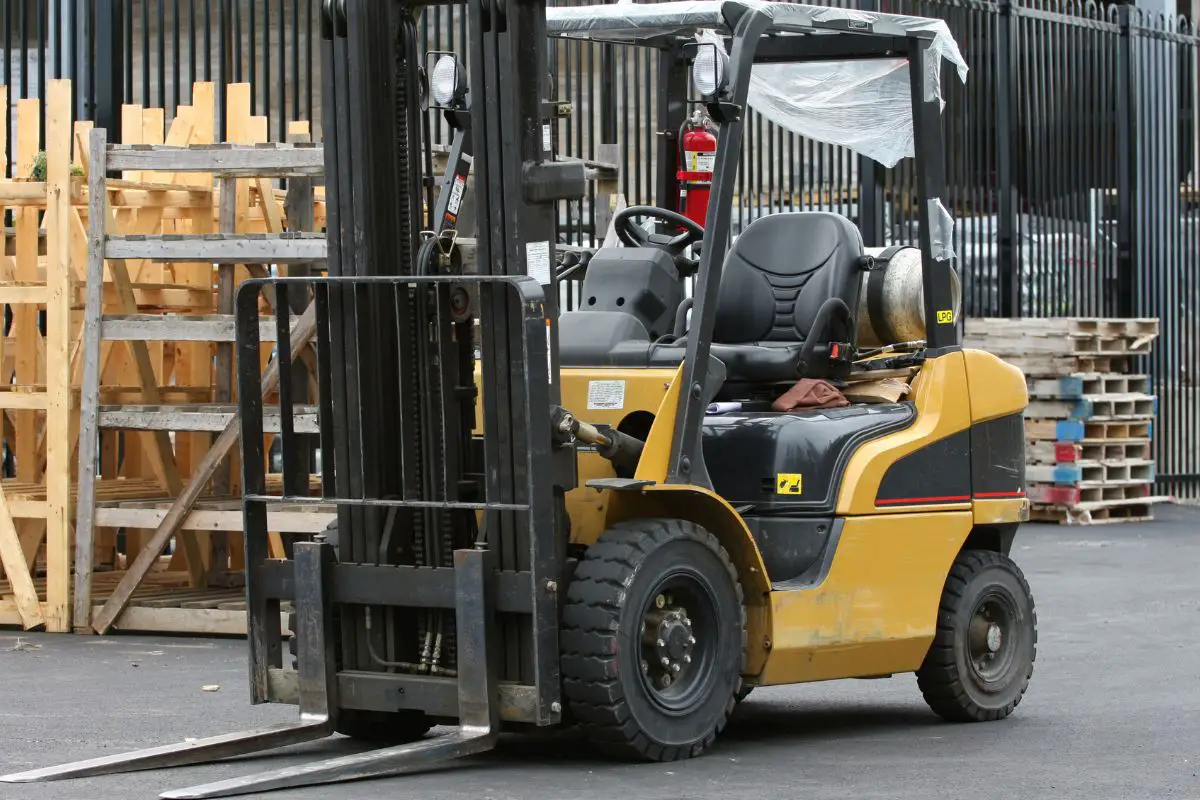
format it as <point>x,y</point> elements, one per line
<point>981,660</point>
<point>653,640</point>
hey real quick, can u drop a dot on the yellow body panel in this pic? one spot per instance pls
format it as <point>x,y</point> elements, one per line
<point>641,390</point>
<point>876,610</point>
<point>1000,388</point>
<point>943,407</point>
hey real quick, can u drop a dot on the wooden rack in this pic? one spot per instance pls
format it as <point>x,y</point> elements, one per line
<point>136,276</point>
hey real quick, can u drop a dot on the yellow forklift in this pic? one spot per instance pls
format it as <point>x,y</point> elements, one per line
<point>613,517</point>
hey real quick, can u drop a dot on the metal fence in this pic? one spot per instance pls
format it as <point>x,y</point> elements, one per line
<point>1071,148</point>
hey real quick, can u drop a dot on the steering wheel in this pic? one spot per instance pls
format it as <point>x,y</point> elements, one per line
<point>635,236</point>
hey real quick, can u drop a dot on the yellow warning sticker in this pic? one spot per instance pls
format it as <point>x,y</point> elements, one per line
<point>945,317</point>
<point>789,483</point>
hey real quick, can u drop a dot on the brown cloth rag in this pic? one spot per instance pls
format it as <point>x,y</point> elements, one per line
<point>810,393</point>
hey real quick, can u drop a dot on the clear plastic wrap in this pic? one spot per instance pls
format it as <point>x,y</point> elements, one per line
<point>863,105</point>
<point>941,230</point>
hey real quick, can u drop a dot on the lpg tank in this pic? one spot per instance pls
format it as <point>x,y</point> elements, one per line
<point>891,306</point>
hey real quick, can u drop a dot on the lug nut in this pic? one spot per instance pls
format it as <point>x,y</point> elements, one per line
<point>665,682</point>
<point>645,668</point>
<point>661,643</point>
<point>660,601</point>
<point>687,659</point>
<point>675,669</point>
<point>666,662</point>
<point>691,640</point>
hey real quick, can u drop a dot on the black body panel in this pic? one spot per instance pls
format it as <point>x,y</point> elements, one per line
<point>745,453</point>
<point>790,545</point>
<point>998,457</point>
<point>938,473</point>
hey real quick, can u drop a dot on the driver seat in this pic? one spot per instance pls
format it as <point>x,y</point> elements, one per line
<point>788,302</point>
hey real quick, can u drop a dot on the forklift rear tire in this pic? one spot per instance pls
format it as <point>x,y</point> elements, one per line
<point>654,633</point>
<point>380,727</point>
<point>981,660</point>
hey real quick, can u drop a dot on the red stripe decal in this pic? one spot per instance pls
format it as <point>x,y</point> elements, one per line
<point>912,501</point>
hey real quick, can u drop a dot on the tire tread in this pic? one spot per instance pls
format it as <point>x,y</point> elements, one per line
<point>591,683</point>
<point>939,679</point>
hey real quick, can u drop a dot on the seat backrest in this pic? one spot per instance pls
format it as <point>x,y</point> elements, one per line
<point>779,273</point>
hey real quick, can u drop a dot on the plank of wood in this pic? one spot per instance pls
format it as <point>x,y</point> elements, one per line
<point>225,161</point>
<point>288,248</point>
<point>89,431</point>
<point>58,360</point>
<point>206,519</point>
<point>131,133</point>
<point>191,493</point>
<point>13,559</point>
<point>25,318</point>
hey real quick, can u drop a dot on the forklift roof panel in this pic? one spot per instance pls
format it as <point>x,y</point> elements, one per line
<point>632,22</point>
<point>862,104</point>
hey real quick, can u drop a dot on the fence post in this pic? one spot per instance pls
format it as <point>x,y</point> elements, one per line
<point>1008,261</point>
<point>108,69</point>
<point>1127,178</point>
<point>870,184</point>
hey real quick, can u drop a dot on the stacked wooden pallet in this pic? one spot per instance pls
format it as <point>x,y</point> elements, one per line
<point>1090,417</point>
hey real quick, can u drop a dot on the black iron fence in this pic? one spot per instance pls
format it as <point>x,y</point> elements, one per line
<point>1071,148</point>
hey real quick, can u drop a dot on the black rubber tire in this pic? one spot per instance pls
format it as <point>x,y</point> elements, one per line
<point>390,727</point>
<point>601,663</point>
<point>950,684</point>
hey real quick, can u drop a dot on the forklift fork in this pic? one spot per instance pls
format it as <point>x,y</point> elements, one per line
<point>477,699</point>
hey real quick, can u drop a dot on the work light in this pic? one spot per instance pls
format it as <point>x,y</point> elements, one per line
<point>446,83</point>
<point>709,69</point>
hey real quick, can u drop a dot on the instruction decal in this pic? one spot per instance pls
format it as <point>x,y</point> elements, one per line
<point>945,317</point>
<point>537,261</point>
<point>789,483</point>
<point>704,162</point>
<point>606,395</point>
<point>456,196</point>
<point>547,138</point>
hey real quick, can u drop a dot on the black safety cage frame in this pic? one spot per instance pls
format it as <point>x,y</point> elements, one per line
<point>755,39</point>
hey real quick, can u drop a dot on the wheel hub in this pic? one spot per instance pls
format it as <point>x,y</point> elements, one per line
<point>668,642</point>
<point>994,638</point>
<point>989,644</point>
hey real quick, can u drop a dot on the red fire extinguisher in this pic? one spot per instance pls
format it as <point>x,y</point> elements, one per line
<point>697,157</point>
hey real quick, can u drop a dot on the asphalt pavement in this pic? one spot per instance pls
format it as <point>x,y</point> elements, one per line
<point>1113,710</point>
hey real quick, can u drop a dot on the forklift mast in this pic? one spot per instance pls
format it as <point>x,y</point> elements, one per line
<point>411,482</point>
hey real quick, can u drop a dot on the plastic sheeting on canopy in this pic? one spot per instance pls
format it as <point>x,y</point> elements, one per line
<point>863,105</point>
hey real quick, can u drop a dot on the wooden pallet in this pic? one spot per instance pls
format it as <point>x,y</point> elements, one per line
<point>1080,385</point>
<point>1076,495</point>
<point>1092,473</point>
<point>1097,408</point>
<point>1049,366</point>
<point>1074,327</point>
<point>1073,430</point>
<point>1097,514</point>
<point>1053,452</point>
